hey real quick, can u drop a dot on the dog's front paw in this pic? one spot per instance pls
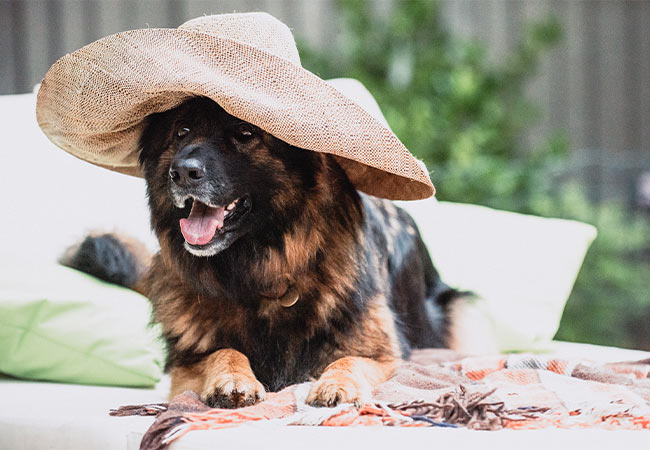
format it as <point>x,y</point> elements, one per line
<point>233,390</point>
<point>332,389</point>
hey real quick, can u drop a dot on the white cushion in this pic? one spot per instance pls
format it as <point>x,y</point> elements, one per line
<point>523,266</point>
<point>50,198</point>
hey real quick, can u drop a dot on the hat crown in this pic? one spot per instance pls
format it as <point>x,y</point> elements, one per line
<point>257,29</point>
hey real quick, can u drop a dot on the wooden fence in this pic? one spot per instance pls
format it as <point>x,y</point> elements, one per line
<point>595,86</point>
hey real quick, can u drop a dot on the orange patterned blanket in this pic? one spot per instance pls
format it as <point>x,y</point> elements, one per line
<point>441,388</point>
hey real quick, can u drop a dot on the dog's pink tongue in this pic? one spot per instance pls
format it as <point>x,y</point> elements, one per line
<point>199,228</point>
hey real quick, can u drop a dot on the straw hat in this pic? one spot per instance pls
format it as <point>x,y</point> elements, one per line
<point>92,102</point>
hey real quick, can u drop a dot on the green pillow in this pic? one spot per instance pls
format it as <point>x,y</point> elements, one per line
<point>59,324</point>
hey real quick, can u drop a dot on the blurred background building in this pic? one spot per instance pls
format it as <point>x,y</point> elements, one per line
<point>586,72</point>
<point>595,84</point>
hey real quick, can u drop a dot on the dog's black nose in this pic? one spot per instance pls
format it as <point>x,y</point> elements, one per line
<point>187,169</point>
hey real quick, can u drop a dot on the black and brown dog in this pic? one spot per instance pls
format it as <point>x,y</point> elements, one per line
<point>273,269</point>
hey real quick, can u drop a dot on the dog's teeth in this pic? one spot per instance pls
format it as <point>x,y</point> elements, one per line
<point>231,206</point>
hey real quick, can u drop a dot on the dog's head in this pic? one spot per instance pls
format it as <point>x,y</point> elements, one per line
<point>213,178</point>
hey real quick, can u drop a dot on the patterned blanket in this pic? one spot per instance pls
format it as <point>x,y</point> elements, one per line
<point>441,388</point>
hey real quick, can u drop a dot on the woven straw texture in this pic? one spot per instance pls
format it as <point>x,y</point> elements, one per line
<point>92,102</point>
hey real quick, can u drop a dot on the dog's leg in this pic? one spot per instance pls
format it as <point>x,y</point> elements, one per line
<point>223,380</point>
<point>350,380</point>
<point>471,330</point>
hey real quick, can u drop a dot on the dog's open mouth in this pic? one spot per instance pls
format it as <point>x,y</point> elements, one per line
<point>205,221</point>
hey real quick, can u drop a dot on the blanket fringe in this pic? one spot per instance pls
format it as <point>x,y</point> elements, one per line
<point>462,408</point>
<point>149,409</point>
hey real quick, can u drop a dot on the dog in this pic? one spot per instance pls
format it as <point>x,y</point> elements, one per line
<point>273,269</point>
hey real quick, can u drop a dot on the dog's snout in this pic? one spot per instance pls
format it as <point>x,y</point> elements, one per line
<point>188,167</point>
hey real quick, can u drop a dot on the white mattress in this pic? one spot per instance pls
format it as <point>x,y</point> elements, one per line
<point>38,415</point>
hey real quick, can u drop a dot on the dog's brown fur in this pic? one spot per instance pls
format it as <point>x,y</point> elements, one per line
<point>367,291</point>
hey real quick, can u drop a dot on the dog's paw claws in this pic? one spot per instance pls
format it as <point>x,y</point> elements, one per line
<point>331,392</point>
<point>233,391</point>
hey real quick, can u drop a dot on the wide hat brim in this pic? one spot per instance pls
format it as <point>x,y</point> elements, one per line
<point>93,102</point>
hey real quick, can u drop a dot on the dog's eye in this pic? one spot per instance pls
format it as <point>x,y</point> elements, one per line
<point>244,131</point>
<point>182,131</point>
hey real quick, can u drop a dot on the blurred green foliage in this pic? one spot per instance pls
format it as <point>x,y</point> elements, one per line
<point>610,302</point>
<point>465,116</point>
